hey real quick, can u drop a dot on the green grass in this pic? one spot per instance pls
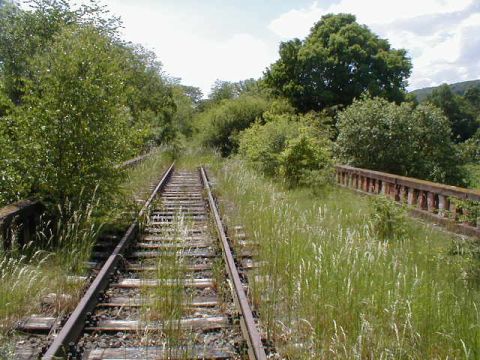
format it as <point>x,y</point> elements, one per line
<point>336,291</point>
<point>27,276</point>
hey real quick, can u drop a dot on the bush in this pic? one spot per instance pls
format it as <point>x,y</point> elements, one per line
<point>400,139</point>
<point>290,146</point>
<point>262,144</point>
<point>75,115</point>
<point>306,160</point>
<point>222,123</point>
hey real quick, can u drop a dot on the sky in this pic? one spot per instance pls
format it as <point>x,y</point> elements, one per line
<point>205,40</point>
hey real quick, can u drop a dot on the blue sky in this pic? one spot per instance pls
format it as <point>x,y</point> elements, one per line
<point>201,41</point>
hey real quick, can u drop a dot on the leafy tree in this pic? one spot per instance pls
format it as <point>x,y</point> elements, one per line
<point>458,111</point>
<point>337,62</point>
<point>149,97</point>
<point>472,95</point>
<point>221,124</point>
<point>222,90</point>
<point>25,33</point>
<point>194,93</point>
<point>186,109</point>
<point>400,139</point>
<point>226,90</point>
<point>75,114</point>
<point>471,149</point>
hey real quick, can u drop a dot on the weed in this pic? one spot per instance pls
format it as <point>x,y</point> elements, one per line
<point>335,291</point>
<point>388,218</point>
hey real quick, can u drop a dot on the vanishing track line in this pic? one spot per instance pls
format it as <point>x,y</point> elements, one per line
<point>171,289</point>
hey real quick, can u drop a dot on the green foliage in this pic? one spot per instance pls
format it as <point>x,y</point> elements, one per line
<point>459,88</point>
<point>74,110</point>
<point>471,148</point>
<point>221,124</point>
<point>400,139</point>
<point>293,147</point>
<point>185,109</point>
<point>460,112</point>
<point>337,62</point>
<point>16,178</point>
<point>74,101</point>
<point>149,97</point>
<point>388,218</point>
<point>262,144</point>
<point>25,33</point>
<point>306,160</point>
<point>222,90</point>
<point>469,210</point>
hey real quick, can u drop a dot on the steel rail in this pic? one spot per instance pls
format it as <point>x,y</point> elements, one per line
<point>256,350</point>
<point>75,323</point>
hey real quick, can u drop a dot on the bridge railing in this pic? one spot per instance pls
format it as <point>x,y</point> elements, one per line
<point>18,221</point>
<point>447,205</point>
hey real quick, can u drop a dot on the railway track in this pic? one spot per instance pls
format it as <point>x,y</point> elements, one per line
<point>170,289</point>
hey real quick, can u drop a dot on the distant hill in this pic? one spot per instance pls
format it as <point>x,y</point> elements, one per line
<point>458,88</point>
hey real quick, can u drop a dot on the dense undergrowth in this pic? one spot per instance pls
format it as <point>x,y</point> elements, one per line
<point>338,283</point>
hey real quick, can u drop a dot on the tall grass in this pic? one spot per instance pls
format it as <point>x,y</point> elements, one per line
<point>337,290</point>
<point>168,301</point>
<point>29,276</point>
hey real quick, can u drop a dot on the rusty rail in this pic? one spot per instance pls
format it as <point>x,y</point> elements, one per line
<point>425,199</point>
<point>256,350</point>
<point>19,220</point>
<point>75,323</point>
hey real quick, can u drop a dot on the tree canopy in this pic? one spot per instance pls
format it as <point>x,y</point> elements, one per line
<point>75,101</point>
<point>400,139</point>
<point>462,112</point>
<point>337,62</point>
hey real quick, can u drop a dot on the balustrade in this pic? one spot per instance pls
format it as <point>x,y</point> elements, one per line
<point>439,202</point>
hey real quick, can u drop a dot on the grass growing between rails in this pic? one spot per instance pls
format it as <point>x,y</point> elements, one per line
<point>34,281</point>
<point>340,287</point>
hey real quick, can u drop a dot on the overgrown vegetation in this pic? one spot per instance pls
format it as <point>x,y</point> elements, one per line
<point>401,139</point>
<point>351,85</point>
<point>75,101</point>
<point>221,124</point>
<point>29,276</point>
<point>343,286</point>
<point>289,146</point>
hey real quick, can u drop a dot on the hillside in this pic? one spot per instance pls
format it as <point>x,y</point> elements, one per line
<point>458,88</point>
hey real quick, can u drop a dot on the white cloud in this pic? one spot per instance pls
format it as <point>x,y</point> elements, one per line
<point>435,53</point>
<point>185,45</point>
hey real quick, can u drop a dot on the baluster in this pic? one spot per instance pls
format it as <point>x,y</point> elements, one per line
<point>442,205</point>
<point>411,198</point>
<point>431,202</point>
<point>453,214</point>
<point>422,201</point>
<point>403,194</point>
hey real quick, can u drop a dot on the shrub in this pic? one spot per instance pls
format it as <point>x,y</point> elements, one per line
<point>400,139</point>
<point>262,144</point>
<point>291,146</point>
<point>75,115</point>
<point>306,161</point>
<point>223,123</point>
